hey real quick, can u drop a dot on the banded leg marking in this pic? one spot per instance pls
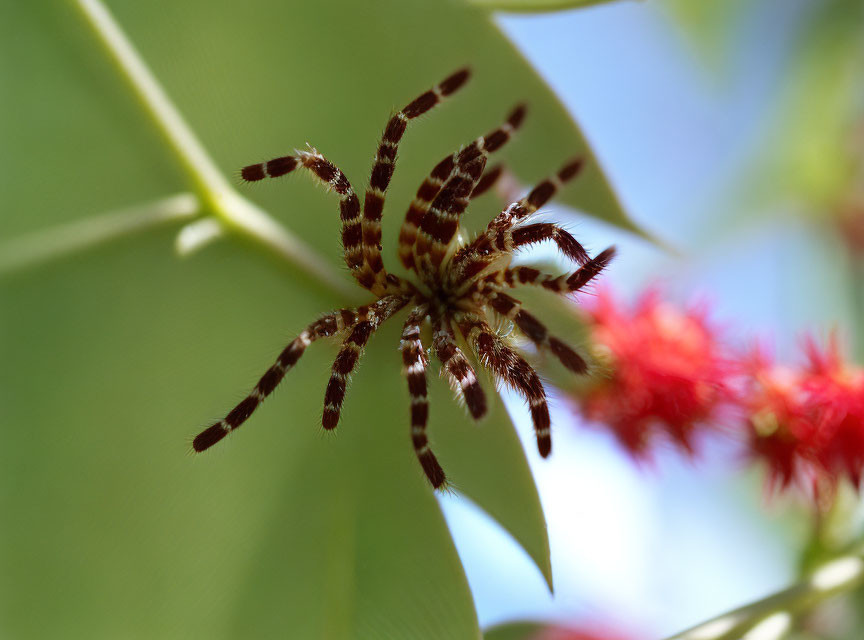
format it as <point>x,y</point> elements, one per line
<point>373,276</point>
<point>536,331</point>
<point>326,326</point>
<point>350,352</point>
<point>414,364</point>
<point>462,376</point>
<point>514,371</point>
<point>444,171</point>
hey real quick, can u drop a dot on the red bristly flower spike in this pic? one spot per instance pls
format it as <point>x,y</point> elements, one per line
<point>667,372</point>
<point>808,424</point>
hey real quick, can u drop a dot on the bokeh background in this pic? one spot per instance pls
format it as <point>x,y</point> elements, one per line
<point>727,132</point>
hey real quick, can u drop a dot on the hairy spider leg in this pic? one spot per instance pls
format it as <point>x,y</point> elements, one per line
<point>475,259</point>
<point>441,223</point>
<point>512,369</point>
<point>414,364</point>
<point>536,331</point>
<point>350,352</point>
<point>326,326</point>
<point>333,179</point>
<point>462,376</point>
<point>488,180</point>
<point>373,275</point>
<point>567,283</point>
<point>443,171</point>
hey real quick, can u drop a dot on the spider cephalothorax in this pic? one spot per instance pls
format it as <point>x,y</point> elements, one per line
<point>459,287</point>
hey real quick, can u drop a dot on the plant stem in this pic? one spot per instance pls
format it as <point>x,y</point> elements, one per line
<point>770,618</point>
<point>218,197</point>
<point>42,246</point>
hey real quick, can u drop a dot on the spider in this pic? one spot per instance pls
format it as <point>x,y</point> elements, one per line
<point>458,284</point>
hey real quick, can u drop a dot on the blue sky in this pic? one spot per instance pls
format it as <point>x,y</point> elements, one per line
<point>662,549</point>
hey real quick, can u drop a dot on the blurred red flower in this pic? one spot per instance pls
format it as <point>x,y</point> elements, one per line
<point>562,633</point>
<point>807,424</point>
<point>667,372</point>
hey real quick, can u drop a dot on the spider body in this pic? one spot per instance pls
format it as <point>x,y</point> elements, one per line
<point>460,287</point>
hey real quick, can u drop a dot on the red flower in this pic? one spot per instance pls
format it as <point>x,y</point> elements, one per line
<point>808,424</point>
<point>562,633</point>
<point>667,373</point>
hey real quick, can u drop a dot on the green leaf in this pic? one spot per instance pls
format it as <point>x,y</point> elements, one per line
<point>111,360</point>
<point>535,6</point>
<point>709,27</point>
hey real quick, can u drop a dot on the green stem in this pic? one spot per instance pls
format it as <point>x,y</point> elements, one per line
<point>217,196</point>
<point>771,617</point>
<point>42,246</point>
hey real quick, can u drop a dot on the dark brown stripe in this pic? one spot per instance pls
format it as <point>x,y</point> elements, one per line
<point>345,361</point>
<point>427,191</point>
<point>280,166</point>
<point>252,173</point>
<point>455,81</point>
<point>395,129</point>
<point>502,304</point>
<point>568,357</point>
<point>209,437</point>
<point>541,194</point>
<point>419,414</point>
<point>590,270</point>
<point>475,400</point>
<point>366,279</point>
<point>387,151</point>
<point>241,412</point>
<point>330,419</point>
<point>349,208</point>
<point>375,261</point>
<point>381,174</point>
<point>495,140</point>
<point>571,170</point>
<point>474,267</point>
<point>351,235</point>
<point>335,393</point>
<point>420,105</point>
<point>527,274</point>
<point>417,383</point>
<point>322,168</point>
<point>270,380</point>
<point>291,354</point>
<point>531,327</point>
<point>373,206</point>
<point>443,168</point>
<point>487,181</point>
<point>432,469</point>
<point>517,116</point>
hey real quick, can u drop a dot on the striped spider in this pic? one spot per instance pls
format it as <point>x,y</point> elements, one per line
<point>458,284</point>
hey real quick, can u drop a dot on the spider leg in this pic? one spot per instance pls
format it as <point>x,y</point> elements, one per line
<point>531,234</point>
<point>326,326</point>
<point>514,371</point>
<point>414,363</point>
<point>350,352</point>
<point>567,283</point>
<point>461,373</point>
<point>373,275</point>
<point>536,331</point>
<point>443,171</point>
<point>334,179</point>
<point>475,257</point>
<point>440,224</point>
<point>488,180</point>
